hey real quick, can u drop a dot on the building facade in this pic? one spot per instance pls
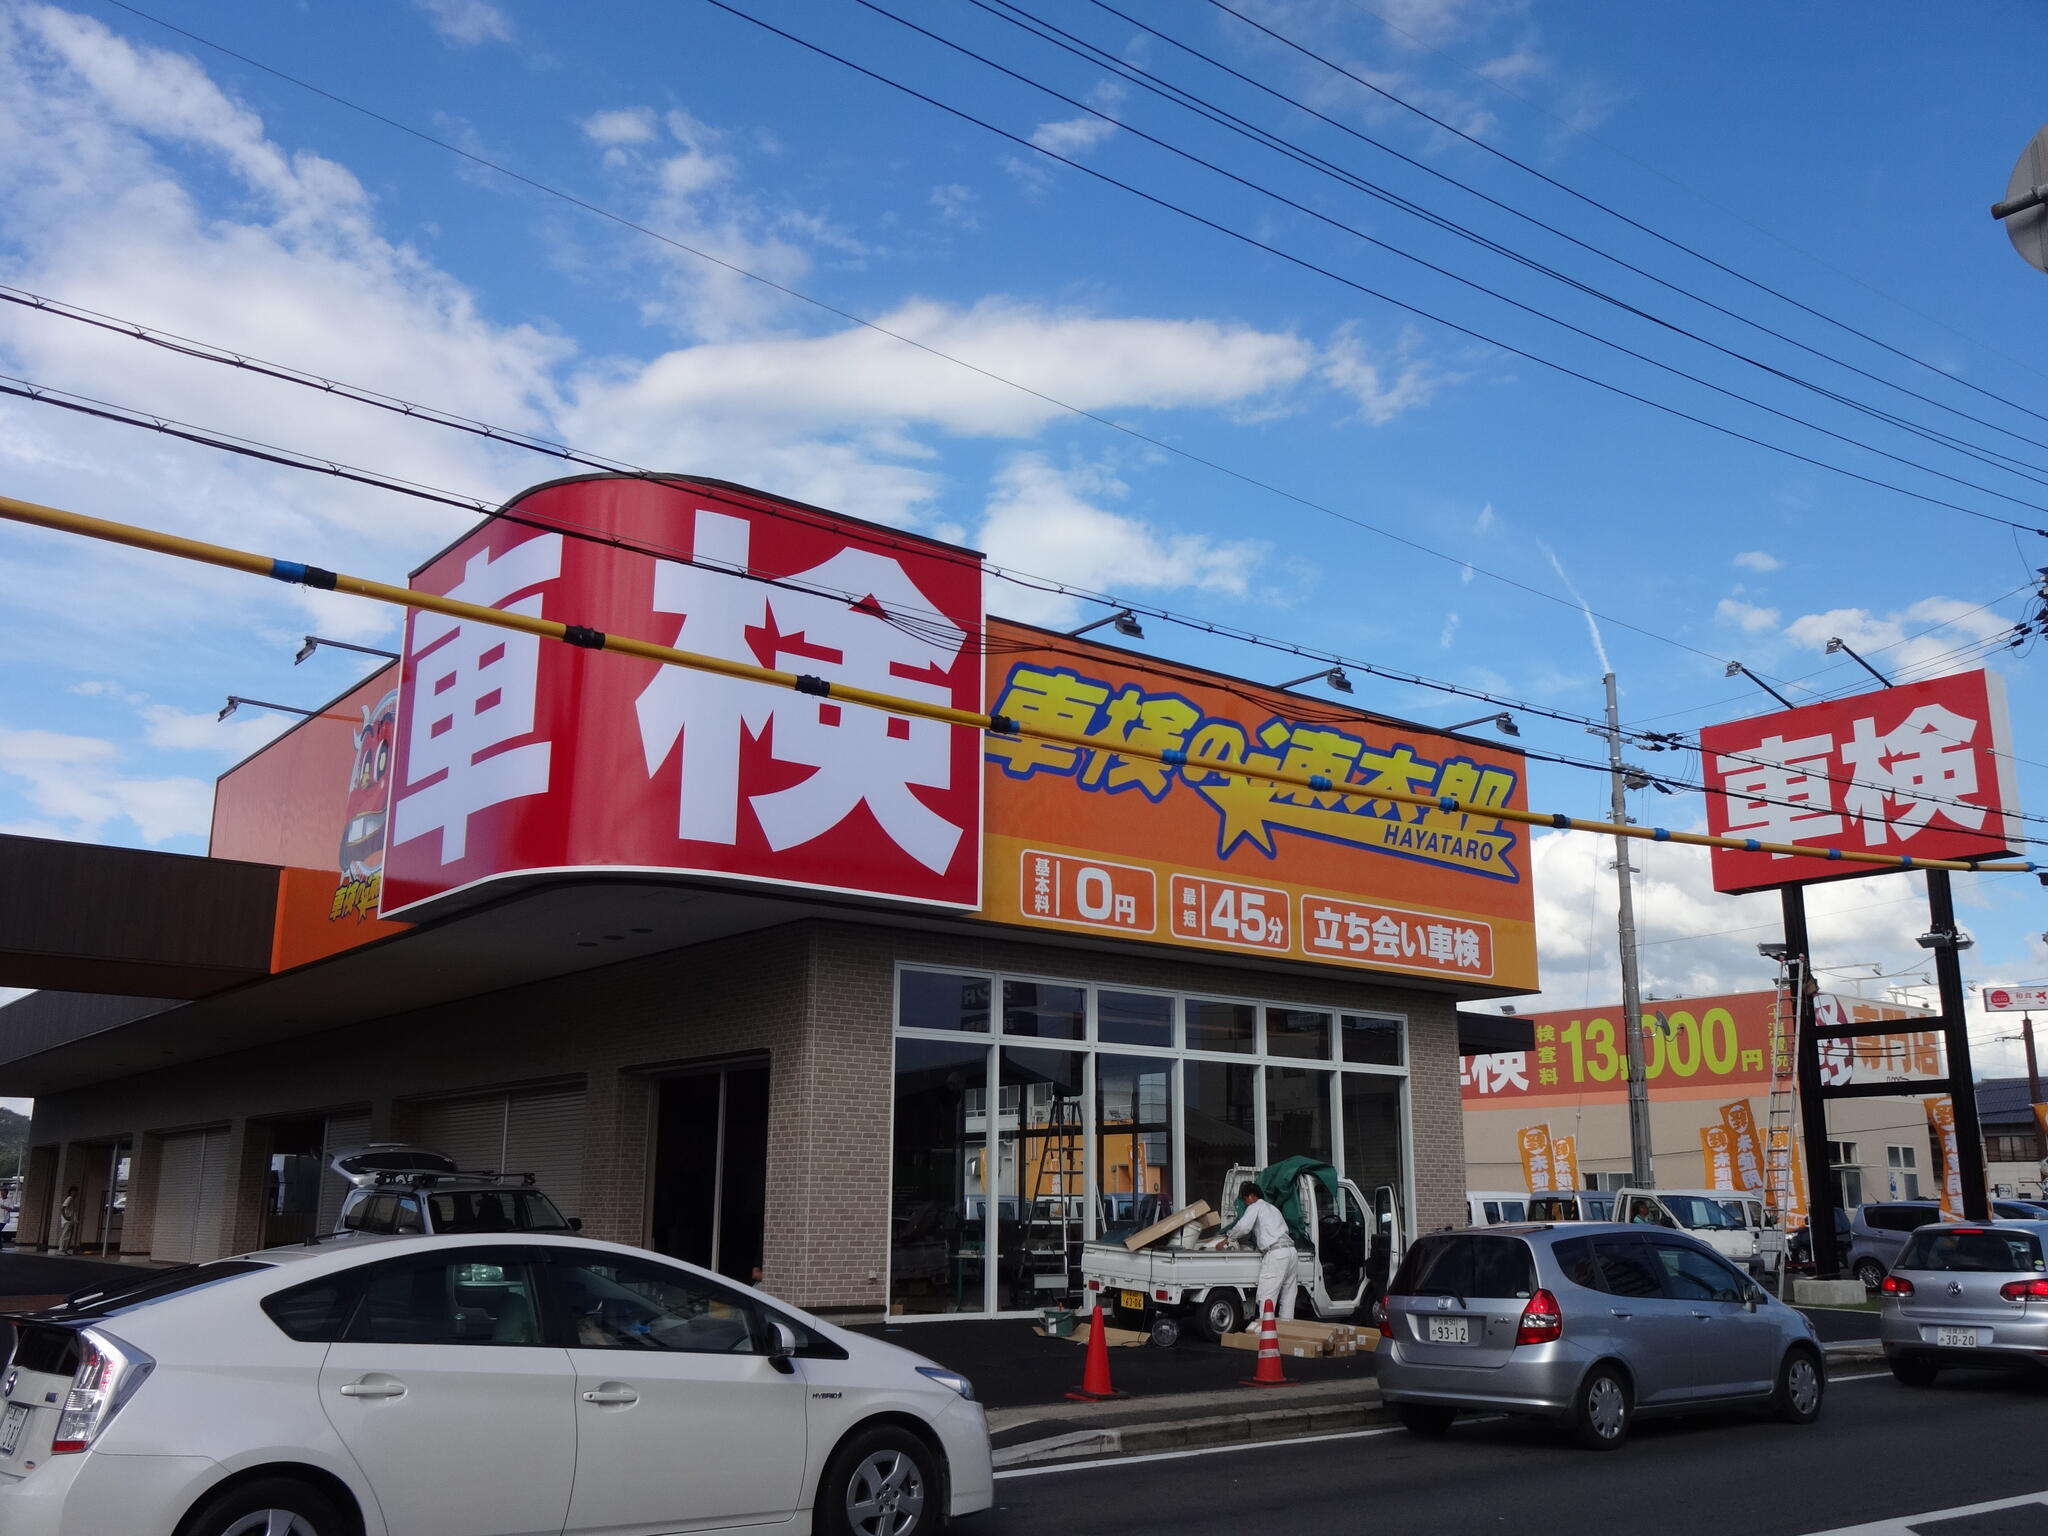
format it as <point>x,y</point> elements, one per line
<point>894,1012</point>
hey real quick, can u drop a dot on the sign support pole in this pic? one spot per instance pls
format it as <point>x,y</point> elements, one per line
<point>1821,1196</point>
<point>1948,978</point>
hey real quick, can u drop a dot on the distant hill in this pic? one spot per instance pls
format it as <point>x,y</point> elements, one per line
<point>13,1138</point>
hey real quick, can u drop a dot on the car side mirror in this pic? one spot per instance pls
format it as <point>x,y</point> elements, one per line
<point>575,1223</point>
<point>782,1346</point>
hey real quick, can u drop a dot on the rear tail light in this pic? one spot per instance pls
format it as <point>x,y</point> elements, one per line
<point>2024,1290</point>
<point>1383,1317</point>
<point>1895,1285</point>
<point>108,1373</point>
<point>1542,1323</point>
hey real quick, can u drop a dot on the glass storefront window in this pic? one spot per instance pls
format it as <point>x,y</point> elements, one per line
<point>1019,1133</point>
<point>1371,1039</point>
<point>1372,1129</point>
<point>1222,1027</point>
<point>938,1194</point>
<point>1041,1183</point>
<point>938,1000</point>
<point>1133,1018</point>
<point>1133,1140</point>
<point>1298,1114</point>
<point>1294,1032</point>
<point>1221,1128</point>
<point>1049,1012</point>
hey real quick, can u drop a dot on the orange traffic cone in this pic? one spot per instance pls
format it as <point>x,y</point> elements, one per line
<point>1268,1374</point>
<point>1095,1387</point>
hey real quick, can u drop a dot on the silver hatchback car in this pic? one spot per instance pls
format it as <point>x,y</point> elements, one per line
<point>1967,1294</point>
<point>1589,1325</point>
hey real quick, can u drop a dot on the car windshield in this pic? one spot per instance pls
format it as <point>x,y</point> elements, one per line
<point>1701,1214</point>
<point>1464,1264</point>
<point>1983,1250</point>
<point>495,1210</point>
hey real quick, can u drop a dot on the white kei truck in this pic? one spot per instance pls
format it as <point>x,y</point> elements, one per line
<point>1353,1247</point>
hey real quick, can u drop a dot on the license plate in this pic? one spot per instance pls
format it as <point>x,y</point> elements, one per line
<point>1956,1338</point>
<point>1133,1301</point>
<point>10,1427</point>
<point>1449,1330</point>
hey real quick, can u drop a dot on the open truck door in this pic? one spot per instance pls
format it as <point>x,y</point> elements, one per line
<point>1388,1242</point>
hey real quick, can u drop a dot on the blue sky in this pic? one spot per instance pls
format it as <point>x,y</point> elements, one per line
<point>1845,164</point>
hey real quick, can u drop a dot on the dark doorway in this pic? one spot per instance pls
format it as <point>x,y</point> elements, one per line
<point>291,1185</point>
<point>711,1168</point>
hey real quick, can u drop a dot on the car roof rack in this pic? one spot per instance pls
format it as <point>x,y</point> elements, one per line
<point>425,1179</point>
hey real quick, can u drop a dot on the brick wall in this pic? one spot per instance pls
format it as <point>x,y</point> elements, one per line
<point>814,997</point>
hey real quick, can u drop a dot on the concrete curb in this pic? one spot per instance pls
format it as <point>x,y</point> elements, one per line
<point>1188,1434</point>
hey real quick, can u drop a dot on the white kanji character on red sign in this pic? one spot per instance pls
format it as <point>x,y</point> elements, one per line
<point>1778,791</point>
<point>473,689</point>
<point>861,756</point>
<point>1928,752</point>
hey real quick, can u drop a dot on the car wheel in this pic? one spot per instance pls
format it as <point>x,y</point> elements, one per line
<point>1601,1412</point>
<point>1430,1423</point>
<point>880,1484</point>
<point>1165,1332</point>
<point>1870,1272</point>
<point>1219,1314</point>
<point>270,1506</point>
<point>1912,1371</point>
<point>1801,1385</point>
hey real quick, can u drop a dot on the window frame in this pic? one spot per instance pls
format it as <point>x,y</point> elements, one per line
<point>1736,1282</point>
<point>559,1327</point>
<point>360,1276</point>
<point>1091,1045</point>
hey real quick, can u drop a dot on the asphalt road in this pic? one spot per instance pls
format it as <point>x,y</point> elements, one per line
<point>1880,1451</point>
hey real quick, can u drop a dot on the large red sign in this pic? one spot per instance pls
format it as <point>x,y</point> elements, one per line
<point>518,755</point>
<point>1923,770</point>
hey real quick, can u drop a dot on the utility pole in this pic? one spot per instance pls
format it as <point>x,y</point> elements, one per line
<point>2033,1068</point>
<point>1640,1154</point>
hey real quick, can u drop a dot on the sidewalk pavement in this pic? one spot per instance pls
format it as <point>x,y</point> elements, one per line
<point>1045,1434</point>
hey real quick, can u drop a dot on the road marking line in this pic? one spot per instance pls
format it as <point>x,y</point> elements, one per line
<point>1835,1381</point>
<point>1905,1525</point>
<point>1206,1450</point>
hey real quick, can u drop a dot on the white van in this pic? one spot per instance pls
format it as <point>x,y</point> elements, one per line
<point>1491,1207</point>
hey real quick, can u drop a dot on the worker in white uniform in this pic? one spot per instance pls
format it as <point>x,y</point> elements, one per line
<point>1279,1263</point>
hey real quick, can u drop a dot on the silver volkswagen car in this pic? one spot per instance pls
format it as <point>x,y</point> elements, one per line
<point>1587,1325</point>
<point>1966,1294</point>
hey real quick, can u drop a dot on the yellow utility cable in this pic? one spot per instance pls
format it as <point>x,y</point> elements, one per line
<point>29,512</point>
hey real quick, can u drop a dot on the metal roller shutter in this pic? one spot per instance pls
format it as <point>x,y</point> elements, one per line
<point>342,1133</point>
<point>536,1133</point>
<point>544,1137</point>
<point>472,1131</point>
<point>191,1196</point>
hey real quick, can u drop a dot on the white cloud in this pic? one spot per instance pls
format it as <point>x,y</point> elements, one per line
<point>1484,522</point>
<point>1050,521</point>
<point>1937,626</point>
<point>178,730</point>
<point>1693,940</point>
<point>1747,617</point>
<point>625,125</point>
<point>955,204</point>
<point>1072,136</point>
<point>78,785</point>
<point>468,22</point>
<point>1592,624</point>
<point>1450,630</point>
<point>1758,560</point>
<point>1514,66</point>
<point>825,418</point>
<point>1386,382</point>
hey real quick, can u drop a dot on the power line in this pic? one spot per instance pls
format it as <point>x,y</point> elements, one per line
<point>1240,476</point>
<point>271,453</point>
<point>1577,131</point>
<point>413,410</point>
<point>1046,31</point>
<point>1613,212</point>
<point>1431,266</point>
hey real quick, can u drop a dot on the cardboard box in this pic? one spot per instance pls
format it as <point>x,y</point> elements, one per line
<point>1113,1338</point>
<point>1166,1226</point>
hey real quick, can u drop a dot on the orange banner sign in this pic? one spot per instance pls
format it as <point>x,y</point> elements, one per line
<point>1717,1152</point>
<point>1083,839</point>
<point>1536,1159</point>
<point>1744,1145</point>
<point>1564,1162</point>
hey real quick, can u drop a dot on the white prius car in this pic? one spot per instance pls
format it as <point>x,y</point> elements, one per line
<point>527,1385</point>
